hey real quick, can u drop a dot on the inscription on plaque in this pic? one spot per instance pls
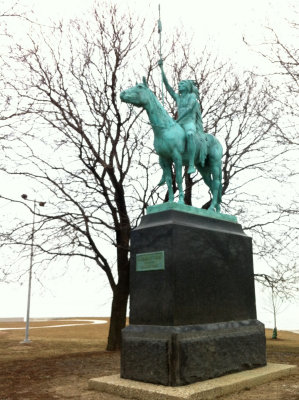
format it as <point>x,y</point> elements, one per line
<point>150,261</point>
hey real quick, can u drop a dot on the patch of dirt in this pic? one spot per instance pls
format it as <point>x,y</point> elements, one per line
<point>63,377</point>
<point>280,389</point>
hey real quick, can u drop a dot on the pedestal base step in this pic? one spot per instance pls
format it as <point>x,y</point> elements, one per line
<point>180,355</point>
<point>209,389</point>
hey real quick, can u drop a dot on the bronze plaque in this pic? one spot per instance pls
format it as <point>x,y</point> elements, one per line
<point>150,261</point>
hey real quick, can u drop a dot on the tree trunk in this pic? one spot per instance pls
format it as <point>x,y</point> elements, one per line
<point>207,205</point>
<point>118,311</point>
<point>188,188</point>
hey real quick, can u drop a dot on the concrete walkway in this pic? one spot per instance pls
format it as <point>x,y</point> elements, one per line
<point>88,322</point>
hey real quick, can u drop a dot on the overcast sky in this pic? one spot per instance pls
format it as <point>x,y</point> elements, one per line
<point>224,23</point>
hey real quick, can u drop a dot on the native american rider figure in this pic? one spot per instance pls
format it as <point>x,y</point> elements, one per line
<point>189,117</point>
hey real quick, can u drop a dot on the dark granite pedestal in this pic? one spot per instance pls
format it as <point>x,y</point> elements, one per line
<point>192,304</point>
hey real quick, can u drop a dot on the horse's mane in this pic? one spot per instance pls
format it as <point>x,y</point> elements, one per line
<point>162,114</point>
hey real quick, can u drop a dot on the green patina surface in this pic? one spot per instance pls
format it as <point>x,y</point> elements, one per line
<point>191,210</point>
<point>150,261</point>
<point>180,142</point>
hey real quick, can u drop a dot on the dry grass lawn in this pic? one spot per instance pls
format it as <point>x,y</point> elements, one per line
<point>59,362</point>
<point>51,342</point>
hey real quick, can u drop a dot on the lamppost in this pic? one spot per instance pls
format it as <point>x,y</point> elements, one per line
<point>42,204</point>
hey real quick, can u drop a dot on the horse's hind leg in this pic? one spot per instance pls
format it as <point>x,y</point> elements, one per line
<point>178,177</point>
<point>206,175</point>
<point>163,179</point>
<point>166,166</point>
<point>212,178</point>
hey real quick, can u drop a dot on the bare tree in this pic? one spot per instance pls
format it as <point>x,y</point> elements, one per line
<point>280,245</point>
<point>76,143</point>
<point>66,131</point>
<point>245,112</point>
<point>282,54</point>
<point>282,283</point>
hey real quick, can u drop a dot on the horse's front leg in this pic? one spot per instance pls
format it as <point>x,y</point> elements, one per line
<point>178,176</point>
<point>216,187</point>
<point>166,166</point>
<point>162,164</point>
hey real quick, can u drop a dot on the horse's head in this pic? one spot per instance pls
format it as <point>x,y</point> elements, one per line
<point>137,95</point>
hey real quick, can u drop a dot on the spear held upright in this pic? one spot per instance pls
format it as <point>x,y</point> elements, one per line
<point>160,35</point>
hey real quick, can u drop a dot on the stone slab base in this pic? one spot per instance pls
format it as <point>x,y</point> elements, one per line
<point>209,389</point>
<point>181,355</point>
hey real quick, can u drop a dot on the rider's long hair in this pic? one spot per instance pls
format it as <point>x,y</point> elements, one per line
<point>199,126</point>
<point>194,89</point>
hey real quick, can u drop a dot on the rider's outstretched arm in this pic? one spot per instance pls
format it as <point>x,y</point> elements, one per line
<point>165,81</point>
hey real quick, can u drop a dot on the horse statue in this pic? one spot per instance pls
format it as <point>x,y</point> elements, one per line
<point>170,145</point>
